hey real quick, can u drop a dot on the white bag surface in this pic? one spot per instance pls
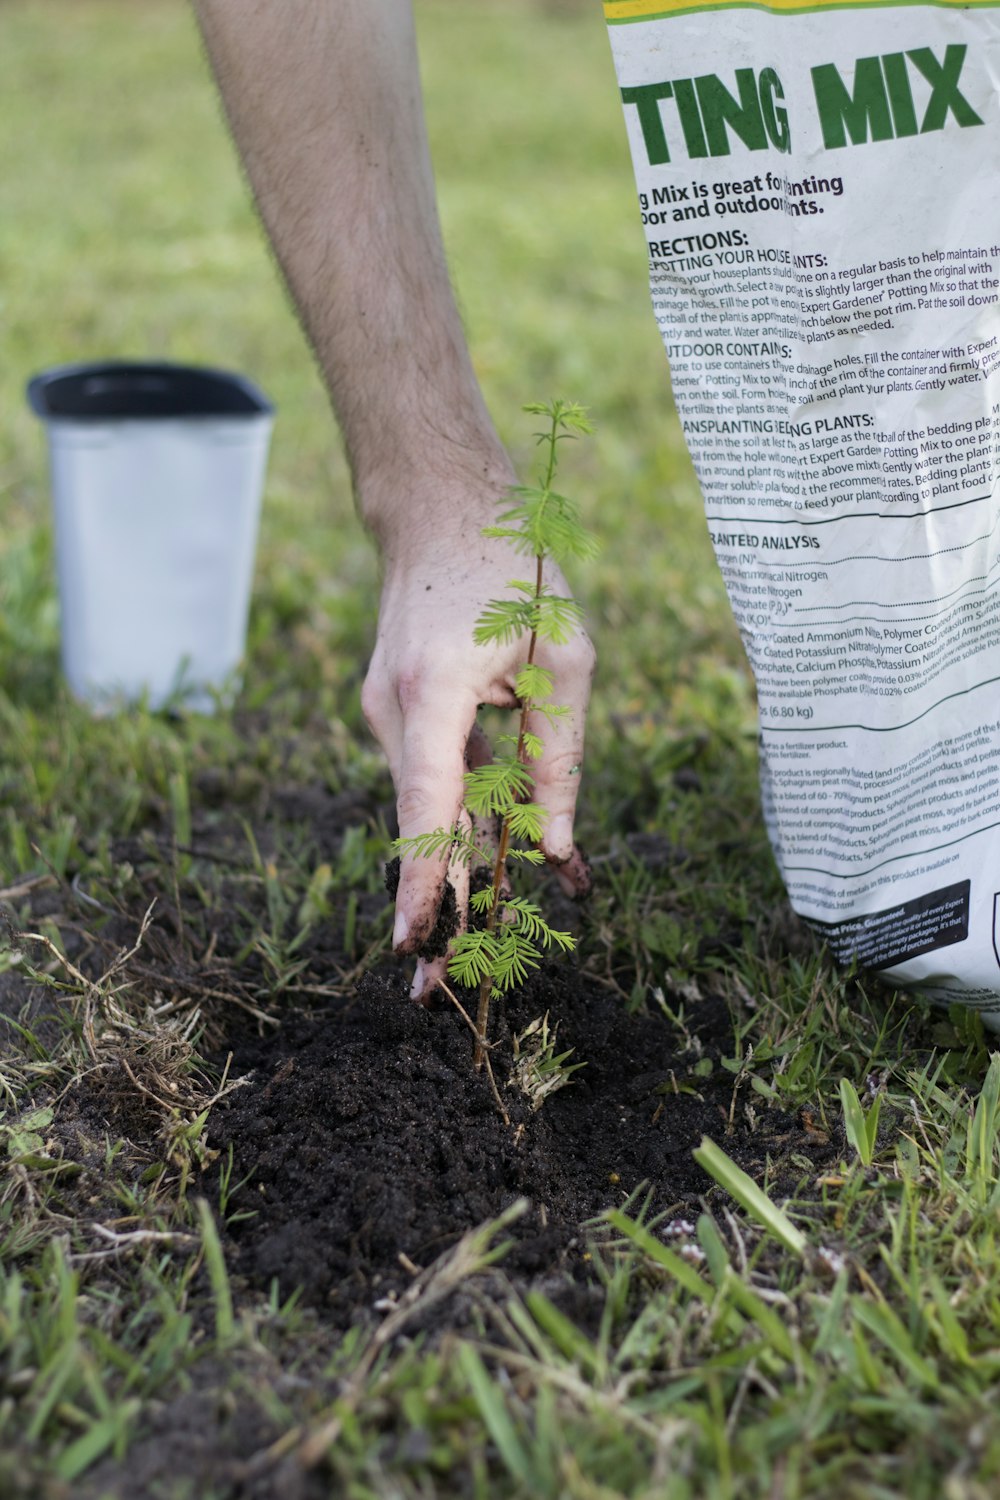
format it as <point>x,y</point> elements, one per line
<point>820,198</point>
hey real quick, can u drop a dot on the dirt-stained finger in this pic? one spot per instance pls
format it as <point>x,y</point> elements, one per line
<point>558,771</point>
<point>429,795</point>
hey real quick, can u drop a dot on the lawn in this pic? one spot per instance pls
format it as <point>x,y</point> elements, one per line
<point>262,1229</point>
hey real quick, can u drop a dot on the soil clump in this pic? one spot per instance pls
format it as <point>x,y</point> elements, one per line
<point>367,1145</point>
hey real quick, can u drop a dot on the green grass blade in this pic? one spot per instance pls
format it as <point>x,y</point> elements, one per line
<point>871,1126</point>
<point>984,1126</point>
<point>750,1197</point>
<point>564,1334</point>
<point>493,1411</point>
<point>215,1264</point>
<point>951,1336</point>
<point>855,1125</point>
<point>63,1370</point>
<point>889,1329</point>
<point>92,1444</point>
<point>670,1261</point>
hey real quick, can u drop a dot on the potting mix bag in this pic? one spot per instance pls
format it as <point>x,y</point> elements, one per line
<point>819,187</point>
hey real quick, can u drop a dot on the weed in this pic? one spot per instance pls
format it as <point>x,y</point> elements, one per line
<point>539,1071</point>
<point>861,1126</point>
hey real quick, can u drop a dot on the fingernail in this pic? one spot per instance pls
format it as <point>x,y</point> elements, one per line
<point>559,837</point>
<point>420,990</point>
<point>400,931</point>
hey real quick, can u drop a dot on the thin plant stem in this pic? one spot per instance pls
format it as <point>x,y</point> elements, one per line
<point>489,956</point>
<point>499,864</point>
<point>480,1045</point>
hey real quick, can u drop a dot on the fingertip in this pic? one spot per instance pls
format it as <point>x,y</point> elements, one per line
<point>418,903</point>
<point>400,932</point>
<point>425,980</point>
<point>574,874</point>
<point>557,839</point>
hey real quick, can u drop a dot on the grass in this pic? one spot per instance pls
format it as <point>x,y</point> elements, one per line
<point>805,1337</point>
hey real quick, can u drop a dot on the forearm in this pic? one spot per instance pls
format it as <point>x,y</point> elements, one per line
<point>323,98</point>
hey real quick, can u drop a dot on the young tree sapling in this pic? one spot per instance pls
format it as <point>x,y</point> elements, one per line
<point>541,524</point>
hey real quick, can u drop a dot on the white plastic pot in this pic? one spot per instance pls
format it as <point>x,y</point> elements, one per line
<point>157,476</point>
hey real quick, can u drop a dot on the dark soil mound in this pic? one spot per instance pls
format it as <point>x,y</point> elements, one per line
<point>368,1137</point>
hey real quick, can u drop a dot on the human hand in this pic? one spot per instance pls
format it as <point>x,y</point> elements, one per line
<point>425,684</point>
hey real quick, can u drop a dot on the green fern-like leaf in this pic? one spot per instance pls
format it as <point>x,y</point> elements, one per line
<point>495,787</point>
<point>572,415</point>
<point>547,524</point>
<point>453,842</point>
<point>515,956</point>
<point>567,414</point>
<point>474,956</point>
<point>532,923</point>
<point>551,711</point>
<point>530,743</point>
<point>503,620</point>
<point>565,941</point>
<point>512,527</point>
<point>565,538</point>
<point>554,618</point>
<point>509,533</point>
<point>528,914</point>
<point>532,682</point>
<point>527,821</point>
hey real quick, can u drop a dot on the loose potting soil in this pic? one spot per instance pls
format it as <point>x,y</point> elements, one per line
<point>361,1144</point>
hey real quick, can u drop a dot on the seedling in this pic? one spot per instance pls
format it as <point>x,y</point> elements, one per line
<point>860,1126</point>
<point>539,1070</point>
<point>512,932</point>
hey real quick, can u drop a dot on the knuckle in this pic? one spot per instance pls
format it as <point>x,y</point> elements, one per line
<point>413,683</point>
<point>373,702</point>
<point>416,805</point>
<point>574,660</point>
<point>581,656</point>
<point>562,766</point>
<point>410,683</point>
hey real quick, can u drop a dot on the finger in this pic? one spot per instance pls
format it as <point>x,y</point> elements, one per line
<point>380,706</point>
<point>485,830</point>
<point>426,978</point>
<point>429,792</point>
<point>557,773</point>
<point>432,962</point>
<point>478,750</point>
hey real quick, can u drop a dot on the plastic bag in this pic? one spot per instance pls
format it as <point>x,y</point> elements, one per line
<point>817,185</point>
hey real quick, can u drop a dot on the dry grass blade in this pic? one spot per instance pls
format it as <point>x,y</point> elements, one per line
<point>151,1044</point>
<point>97,997</point>
<point>25,887</point>
<point>119,1243</point>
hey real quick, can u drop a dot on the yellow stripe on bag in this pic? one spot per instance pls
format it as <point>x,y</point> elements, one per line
<point>618,12</point>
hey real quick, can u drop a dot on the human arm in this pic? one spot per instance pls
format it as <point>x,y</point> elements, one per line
<point>323,97</point>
